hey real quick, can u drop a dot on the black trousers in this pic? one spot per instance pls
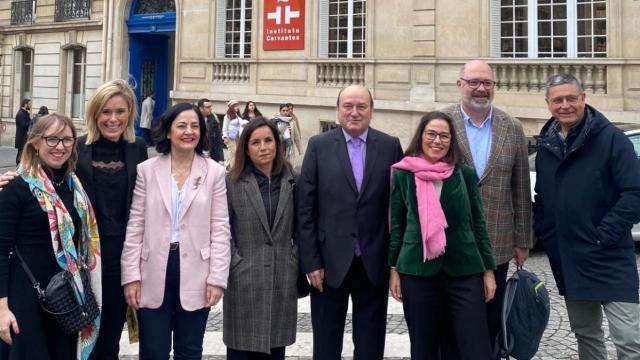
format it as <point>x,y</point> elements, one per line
<point>157,325</point>
<point>431,302</point>
<point>276,354</point>
<point>494,315</point>
<point>369,316</point>
<point>114,306</point>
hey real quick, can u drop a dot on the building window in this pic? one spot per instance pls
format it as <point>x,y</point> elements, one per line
<point>552,28</point>
<point>23,12</point>
<point>24,59</point>
<point>237,41</point>
<point>327,125</point>
<point>346,28</point>
<point>72,9</point>
<point>155,6</point>
<point>77,83</point>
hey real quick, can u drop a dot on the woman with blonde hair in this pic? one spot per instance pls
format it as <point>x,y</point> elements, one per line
<point>107,159</point>
<point>46,217</point>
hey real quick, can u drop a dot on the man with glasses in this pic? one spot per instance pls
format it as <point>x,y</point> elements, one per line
<point>587,199</point>
<point>494,143</point>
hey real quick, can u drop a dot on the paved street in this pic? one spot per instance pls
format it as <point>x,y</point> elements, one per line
<point>557,343</point>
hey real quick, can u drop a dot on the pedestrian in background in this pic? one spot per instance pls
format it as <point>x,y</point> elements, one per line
<point>214,133</point>
<point>41,112</point>
<point>232,125</point>
<point>46,192</point>
<point>260,304</point>
<point>174,277</point>
<point>439,250</point>
<point>23,119</point>
<point>587,199</point>
<point>251,111</point>
<point>146,117</point>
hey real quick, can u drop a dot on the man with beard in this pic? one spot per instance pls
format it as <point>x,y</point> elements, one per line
<point>23,119</point>
<point>494,143</point>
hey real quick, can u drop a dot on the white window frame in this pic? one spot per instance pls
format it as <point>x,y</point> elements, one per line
<point>324,30</point>
<point>71,66</point>
<point>221,30</point>
<point>532,29</point>
<point>20,69</point>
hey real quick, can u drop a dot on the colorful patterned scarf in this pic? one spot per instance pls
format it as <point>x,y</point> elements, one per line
<point>62,230</point>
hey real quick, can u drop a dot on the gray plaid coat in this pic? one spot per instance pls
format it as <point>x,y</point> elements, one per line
<point>504,186</point>
<point>260,303</point>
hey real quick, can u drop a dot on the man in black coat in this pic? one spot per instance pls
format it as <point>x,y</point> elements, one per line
<point>587,199</point>
<point>23,118</point>
<point>343,232</point>
<point>213,131</point>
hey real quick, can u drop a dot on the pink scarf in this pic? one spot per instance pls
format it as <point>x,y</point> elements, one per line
<point>432,220</point>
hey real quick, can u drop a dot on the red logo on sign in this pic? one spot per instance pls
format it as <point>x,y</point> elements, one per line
<point>283,25</point>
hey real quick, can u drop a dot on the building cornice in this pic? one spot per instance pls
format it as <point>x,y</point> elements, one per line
<point>52,27</point>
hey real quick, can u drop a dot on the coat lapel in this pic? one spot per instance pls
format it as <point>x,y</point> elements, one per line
<point>370,160</point>
<point>286,191</point>
<point>252,191</point>
<point>194,182</point>
<point>461,133</point>
<point>342,154</point>
<point>498,136</point>
<point>163,177</point>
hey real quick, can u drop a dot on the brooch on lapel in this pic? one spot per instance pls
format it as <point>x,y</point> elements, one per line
<point>196,182</point>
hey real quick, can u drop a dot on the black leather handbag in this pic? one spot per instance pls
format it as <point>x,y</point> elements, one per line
<point>59,298</point>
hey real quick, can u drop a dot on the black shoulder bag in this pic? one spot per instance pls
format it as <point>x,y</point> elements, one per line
<point>59,298</point>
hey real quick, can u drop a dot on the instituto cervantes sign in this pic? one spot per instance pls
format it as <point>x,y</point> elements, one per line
<point>283,25</point>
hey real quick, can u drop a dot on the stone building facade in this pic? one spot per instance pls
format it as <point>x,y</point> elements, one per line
<point>408,52</point>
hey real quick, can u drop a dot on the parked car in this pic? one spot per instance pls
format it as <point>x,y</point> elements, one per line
<point>634,136</point>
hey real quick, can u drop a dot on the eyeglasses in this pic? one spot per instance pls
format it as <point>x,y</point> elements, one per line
<point>570,99</point>
<point>432,135</point>
<point>474,83</point>
<point>53,141</point>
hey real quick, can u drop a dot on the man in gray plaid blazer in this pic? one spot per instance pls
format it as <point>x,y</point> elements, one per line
<point>494,143</point>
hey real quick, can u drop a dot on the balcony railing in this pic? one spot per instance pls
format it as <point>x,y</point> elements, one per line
<point>531,77</point>
<point>22,12</point>
<point>340,74</point>
<point>72,9</point>
<point>231,72</point>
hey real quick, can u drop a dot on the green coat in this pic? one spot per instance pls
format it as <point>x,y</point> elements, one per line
<point>468,250</point>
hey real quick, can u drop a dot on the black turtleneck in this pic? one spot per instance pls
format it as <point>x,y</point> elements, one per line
<point>270,192</point>
<point>25,225</point>
<point>110,186</point>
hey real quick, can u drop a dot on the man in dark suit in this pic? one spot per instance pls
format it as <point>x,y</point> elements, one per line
<point>23,118</point>
<point>343,230</point>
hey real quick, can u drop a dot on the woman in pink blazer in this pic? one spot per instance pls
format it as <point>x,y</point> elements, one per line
<point>175,260</point>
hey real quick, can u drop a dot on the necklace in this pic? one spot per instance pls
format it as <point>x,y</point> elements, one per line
<point>57,183</point>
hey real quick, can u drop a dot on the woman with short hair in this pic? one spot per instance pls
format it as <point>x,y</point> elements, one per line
<point>175,260</point>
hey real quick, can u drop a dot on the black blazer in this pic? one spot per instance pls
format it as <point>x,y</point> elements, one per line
<point>22,128</point>
<point>134,154</point>
<point>331,212</point>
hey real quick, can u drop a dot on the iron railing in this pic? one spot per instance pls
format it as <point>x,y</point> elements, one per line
<point>72,9</point>
<point>22,12</point>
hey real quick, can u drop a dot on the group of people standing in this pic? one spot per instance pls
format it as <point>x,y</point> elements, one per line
<point>436,225</point>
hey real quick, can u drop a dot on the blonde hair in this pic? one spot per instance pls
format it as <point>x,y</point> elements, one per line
<point>30,160</point>
<point>98,101</point>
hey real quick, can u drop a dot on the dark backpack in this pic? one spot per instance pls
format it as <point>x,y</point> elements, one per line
<point>525,314</point>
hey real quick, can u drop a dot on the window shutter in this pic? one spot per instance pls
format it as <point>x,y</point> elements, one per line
<point>221,18</point>
<point>494,28</point>
<point>323,28</point>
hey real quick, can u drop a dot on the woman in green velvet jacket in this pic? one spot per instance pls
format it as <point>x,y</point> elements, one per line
<point>439,253</point>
